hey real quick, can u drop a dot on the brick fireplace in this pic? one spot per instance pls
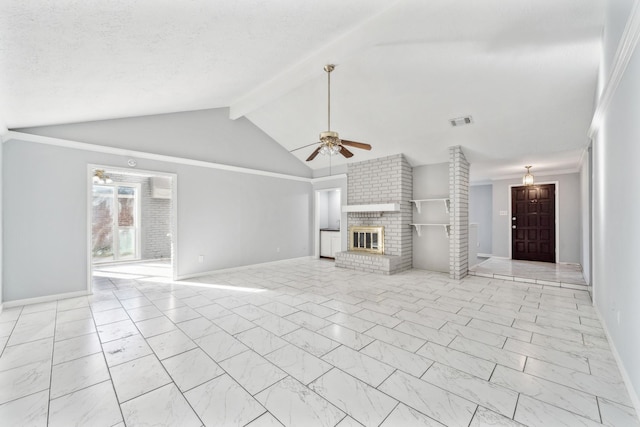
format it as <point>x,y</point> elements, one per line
<point>378,195</point>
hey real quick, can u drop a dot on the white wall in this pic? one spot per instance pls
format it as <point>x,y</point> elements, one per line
<point>1,220</point>
<point>616,203</point>
<point>481,213</point>
<point>585,216</point>
<point>568,208</point>
<point>334,209</point>
<point>323,209</point>
<point>431,249</point>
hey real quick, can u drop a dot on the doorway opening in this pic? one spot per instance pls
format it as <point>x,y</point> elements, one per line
<point>115,227</point>
<point>328,223</point>
<point>131,217</point>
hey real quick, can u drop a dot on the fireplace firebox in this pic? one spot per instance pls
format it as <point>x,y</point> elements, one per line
<point>366,239</point>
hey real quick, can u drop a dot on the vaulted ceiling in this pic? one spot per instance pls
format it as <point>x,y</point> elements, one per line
<point>525,70</point>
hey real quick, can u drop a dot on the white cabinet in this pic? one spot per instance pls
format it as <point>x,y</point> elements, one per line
<point>329,243</point>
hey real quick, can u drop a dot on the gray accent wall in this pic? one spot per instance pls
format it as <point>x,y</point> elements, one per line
<point>207,135</point>
<point>616,229</point>
<point>230,218</point>
<point>431,249</point>
<point>481,213</point>
<point>568,208</point>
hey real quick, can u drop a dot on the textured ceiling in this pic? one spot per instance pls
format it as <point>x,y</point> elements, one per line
<point>525,70</point>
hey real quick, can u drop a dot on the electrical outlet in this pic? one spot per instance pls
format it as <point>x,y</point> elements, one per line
<point>201,258</point>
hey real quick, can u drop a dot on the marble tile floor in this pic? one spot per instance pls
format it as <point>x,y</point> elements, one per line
<point>303,343</point>
<point>544,273</point>
<point>135,269</point>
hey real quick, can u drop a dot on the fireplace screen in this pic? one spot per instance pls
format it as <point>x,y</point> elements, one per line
<point>367,239</point>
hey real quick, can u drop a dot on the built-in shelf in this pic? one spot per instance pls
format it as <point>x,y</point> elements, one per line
<point>380,207</point>
<point>418,227</point>
<point>444,200</point>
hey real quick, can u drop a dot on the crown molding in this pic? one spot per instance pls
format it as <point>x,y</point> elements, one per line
<point>27,137</point>
<point>535,174</point>
<point>329,178</point>
<point>626,47</point>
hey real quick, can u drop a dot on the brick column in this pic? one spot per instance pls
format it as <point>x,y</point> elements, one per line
<point>459,213</point>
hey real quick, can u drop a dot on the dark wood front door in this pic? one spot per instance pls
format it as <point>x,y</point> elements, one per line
<point>533,223</point>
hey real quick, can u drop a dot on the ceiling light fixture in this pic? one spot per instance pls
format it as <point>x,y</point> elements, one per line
<point>330,142</point>
<point>527,179</point>
<point>100,177</point>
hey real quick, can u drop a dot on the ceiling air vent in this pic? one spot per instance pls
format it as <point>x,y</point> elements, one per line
<point>461,121</point>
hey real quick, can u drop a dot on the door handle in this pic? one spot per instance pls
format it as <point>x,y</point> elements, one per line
<point>513,226</point>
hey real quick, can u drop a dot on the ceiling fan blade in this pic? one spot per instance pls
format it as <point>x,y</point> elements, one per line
<point>314,154</point>
<point>361,145</point>
<point>304,146</point>
<point>346,152</point>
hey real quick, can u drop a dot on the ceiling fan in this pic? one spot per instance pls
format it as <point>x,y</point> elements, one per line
<point>330,142</point>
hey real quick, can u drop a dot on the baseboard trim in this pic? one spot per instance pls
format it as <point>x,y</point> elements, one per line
<point>241,267</point>
<point>633,395</point>
<point>47,298</point>
<point>484,255</point>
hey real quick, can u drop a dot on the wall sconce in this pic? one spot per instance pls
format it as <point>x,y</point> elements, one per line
<point>527,179</point>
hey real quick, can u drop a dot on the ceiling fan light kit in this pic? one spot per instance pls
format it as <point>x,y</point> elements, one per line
<point>101,177</point>
<point>330,142</point>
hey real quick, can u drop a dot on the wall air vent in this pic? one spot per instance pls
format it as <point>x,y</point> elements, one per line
<point>461,121</point>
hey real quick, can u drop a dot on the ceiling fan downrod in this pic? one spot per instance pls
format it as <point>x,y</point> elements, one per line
<point>329,68</point>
